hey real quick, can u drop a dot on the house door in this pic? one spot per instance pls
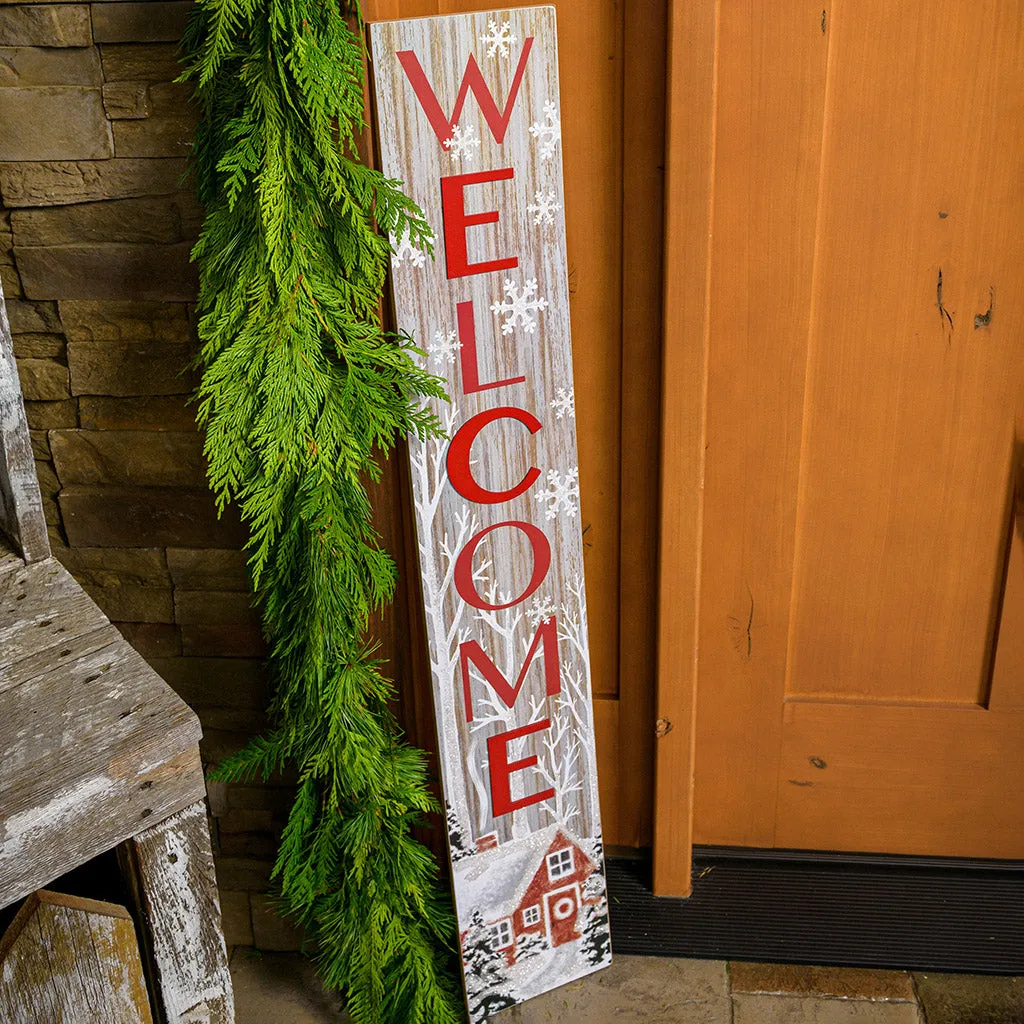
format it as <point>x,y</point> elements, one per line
<point>562,908</point>
<point>858,319</point>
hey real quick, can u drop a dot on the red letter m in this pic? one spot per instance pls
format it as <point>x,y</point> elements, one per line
<point>471,651</point>
<point>497,120</point>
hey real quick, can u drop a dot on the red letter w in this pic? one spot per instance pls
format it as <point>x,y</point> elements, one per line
<point>473,79</point>
<point>547,632</point>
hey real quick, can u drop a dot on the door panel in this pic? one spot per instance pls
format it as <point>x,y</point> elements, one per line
<point>865,372</point>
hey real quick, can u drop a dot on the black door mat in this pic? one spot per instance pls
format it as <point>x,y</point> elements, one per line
<point>905,913</point>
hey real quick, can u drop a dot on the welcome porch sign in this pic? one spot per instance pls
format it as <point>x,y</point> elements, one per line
<point>468,118</point>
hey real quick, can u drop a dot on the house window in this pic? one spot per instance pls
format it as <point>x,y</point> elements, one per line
<point>531,916</point>
<point>560,863</point>
<point>501,934</point>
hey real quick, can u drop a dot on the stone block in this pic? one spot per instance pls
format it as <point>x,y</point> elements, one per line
<point>234,720</point>
<point>251,819</point>
<point>154,136</point>
<point>223,641</point>
<point>248,797</point>
<point>50,415</point>
<point>113,567</point>
<point>214,608</point>
<point>100,368</point>
<point>59,182</point>
<point>108,271</point>
<point>217,682</point>
<point>32,317</point>
<point>154,219</point>
<point>51,513</point>
<point>145,517</point>
<point>49,485</point>
<point>10,281</point>
<point>39,346</point>
<point>970,999</point>
<point>45,25</point>
<point>243,872</point>
<point>54,123</point>
<point>147,458</point>
<point>125,321</point>
<point>152,639</point>
<point>749,1009</point>
<point>126,100</point>
<point>216,745</point>
<point>153,21</point>
<point>248,844</point>
<point>234,911</point>
<point>44,65</point>
<point>6,239</point>
<point>133,604</point>
<point>217,797</point>
<point>270,930</point>
<point>43,380</point>
<point>208,569</point>
<point>827,982</point>
<point>131,62</point>
<point>40,445</point>
<point>149,413</point>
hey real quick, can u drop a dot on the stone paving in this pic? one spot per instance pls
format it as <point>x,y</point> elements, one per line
<point>280,988</point>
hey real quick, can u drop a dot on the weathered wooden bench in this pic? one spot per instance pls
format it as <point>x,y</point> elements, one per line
<point>98,753</point>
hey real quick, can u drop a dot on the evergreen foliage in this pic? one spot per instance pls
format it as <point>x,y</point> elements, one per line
<point>302,391</point>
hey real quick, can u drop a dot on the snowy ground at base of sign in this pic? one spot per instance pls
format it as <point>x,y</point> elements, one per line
<point>558,967</point>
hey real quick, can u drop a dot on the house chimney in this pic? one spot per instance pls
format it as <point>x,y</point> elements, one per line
<point>487,842</point>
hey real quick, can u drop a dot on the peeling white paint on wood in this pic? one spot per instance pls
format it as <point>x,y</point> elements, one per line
<point>180,901</point>
<point>21,505</point>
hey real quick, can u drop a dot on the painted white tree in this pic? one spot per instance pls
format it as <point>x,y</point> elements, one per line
<point>446,626</point>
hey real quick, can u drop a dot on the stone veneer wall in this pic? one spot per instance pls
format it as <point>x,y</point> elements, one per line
<point>96,225</point>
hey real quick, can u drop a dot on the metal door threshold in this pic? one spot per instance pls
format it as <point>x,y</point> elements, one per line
<point>851,910</point>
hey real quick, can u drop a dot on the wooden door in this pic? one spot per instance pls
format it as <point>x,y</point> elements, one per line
<point>854,600</point>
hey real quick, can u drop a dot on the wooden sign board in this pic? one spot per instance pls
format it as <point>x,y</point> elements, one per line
<point>468,118</point>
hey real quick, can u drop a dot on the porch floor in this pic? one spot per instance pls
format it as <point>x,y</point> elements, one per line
<point>280,988</point>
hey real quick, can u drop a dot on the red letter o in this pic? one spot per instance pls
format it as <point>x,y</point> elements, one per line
<point>464,565</point>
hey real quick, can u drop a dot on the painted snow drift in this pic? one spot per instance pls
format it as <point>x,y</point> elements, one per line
<point>468,118</point>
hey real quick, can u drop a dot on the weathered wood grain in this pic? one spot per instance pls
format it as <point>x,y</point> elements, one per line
<point>9,558</point>
<point>21,506</point>
<point>41,608</point>
<point>424,302</point>
<point>170,867</point>
<point>65,959</point>
<point>95,743</point>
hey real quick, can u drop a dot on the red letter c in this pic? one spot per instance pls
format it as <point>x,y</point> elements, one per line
<point>459,472</point>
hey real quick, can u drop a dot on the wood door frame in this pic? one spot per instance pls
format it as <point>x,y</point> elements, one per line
<point>689,192</point>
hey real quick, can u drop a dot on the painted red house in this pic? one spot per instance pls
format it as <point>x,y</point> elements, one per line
<point>542,899</point>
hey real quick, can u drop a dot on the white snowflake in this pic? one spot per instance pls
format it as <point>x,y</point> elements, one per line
<point>544,208</point>
<point>562,494</point>
<point>518,307</point>
<point>498,39</point>
<point>548,134</point>
<point>565,403</point>
<point>540,611</point>
<point>405,250</point>
<point>445,346</point>
<point>462,143</point>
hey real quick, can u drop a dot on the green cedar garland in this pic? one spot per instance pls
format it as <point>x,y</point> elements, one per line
<point>302,389</point>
